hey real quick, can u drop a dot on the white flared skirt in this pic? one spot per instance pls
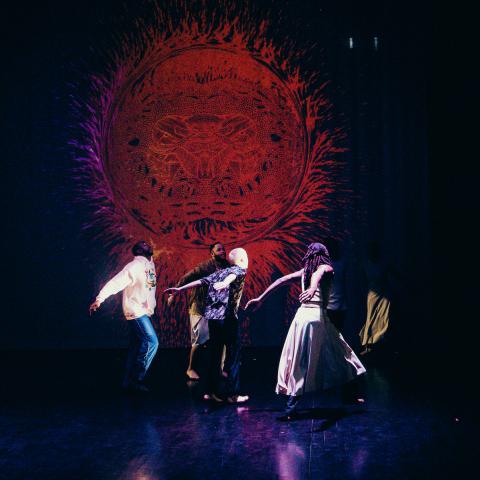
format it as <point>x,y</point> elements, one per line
<point>315,356</point>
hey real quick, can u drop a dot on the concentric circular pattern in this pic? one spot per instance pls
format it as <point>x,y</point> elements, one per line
<point>203,144</point>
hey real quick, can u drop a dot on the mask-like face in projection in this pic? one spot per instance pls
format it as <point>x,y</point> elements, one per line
<point>205,143</point>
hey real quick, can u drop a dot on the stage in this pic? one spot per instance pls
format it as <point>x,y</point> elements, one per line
<point>64,416</point>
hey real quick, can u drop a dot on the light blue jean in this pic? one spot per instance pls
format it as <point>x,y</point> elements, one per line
<point>142,348</point>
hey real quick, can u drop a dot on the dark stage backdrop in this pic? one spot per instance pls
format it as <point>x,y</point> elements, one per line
<point>265,125</point>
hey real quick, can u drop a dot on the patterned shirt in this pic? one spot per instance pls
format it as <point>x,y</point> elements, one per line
<point>225,302</point>
<point>197,296</point>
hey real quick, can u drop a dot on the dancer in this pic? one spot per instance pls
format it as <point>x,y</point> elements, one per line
<point>315,356</point>
<point>225,289</point>
<point>196,303</point>
<point>138,282</point>
<point>378,299</point>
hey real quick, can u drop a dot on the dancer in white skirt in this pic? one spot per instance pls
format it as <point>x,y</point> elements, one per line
<point>315,356</point>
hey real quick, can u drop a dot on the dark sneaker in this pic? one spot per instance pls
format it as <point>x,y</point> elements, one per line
<point>135,387</point>
<point>287,417</point>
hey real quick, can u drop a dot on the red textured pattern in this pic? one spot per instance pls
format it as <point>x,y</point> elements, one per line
<point>207,132</point>
<point>206,145</point>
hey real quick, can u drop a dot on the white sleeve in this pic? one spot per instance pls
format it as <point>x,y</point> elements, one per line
<point>121,280</point>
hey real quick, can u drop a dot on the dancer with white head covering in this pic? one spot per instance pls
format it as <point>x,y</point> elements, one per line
<point>225,289</point>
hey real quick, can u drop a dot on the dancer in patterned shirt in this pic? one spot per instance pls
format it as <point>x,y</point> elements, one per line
<point>225,289</point>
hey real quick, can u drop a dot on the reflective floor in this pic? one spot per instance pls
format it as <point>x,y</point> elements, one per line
<point>64,417</point>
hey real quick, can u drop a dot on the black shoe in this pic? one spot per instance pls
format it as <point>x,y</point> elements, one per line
<point>292,404</point>
<point>290,409</point>
<point>288,417</point>
<point>135,387</point>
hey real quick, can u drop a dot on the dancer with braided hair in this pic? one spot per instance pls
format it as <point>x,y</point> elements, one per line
<point>315,356</point>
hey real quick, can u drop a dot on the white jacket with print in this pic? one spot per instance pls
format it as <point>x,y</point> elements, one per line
<point>138,282</point>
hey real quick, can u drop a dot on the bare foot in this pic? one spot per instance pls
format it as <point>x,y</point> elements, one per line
<point>238,399</point>
<point>224,374</point>
<point>192,374</point>
<point>212,396</point>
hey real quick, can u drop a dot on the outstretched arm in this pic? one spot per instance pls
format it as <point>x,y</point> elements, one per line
<point>174,291</point>
<point>225,283</point>
<point>200,271</point>
<point>314,281</point>
<point>121,280</point>
<point>196,273</point>
<point>256,302</point>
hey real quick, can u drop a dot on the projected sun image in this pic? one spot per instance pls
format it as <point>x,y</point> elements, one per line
<point>206,130</point>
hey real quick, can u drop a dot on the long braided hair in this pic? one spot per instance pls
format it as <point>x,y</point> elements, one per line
<point>316,255</point>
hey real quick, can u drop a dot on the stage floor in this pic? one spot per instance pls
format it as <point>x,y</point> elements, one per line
<point>63,416</point>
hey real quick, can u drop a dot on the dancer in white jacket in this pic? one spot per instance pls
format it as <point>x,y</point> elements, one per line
<point>138,282</point>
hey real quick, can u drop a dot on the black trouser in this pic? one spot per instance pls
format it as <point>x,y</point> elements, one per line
<point>224,333</point>
<point>216,330</point>
<point>232,358</point>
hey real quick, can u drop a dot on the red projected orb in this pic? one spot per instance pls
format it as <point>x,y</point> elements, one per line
<point>202,128</point>
<point>205,144</point>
